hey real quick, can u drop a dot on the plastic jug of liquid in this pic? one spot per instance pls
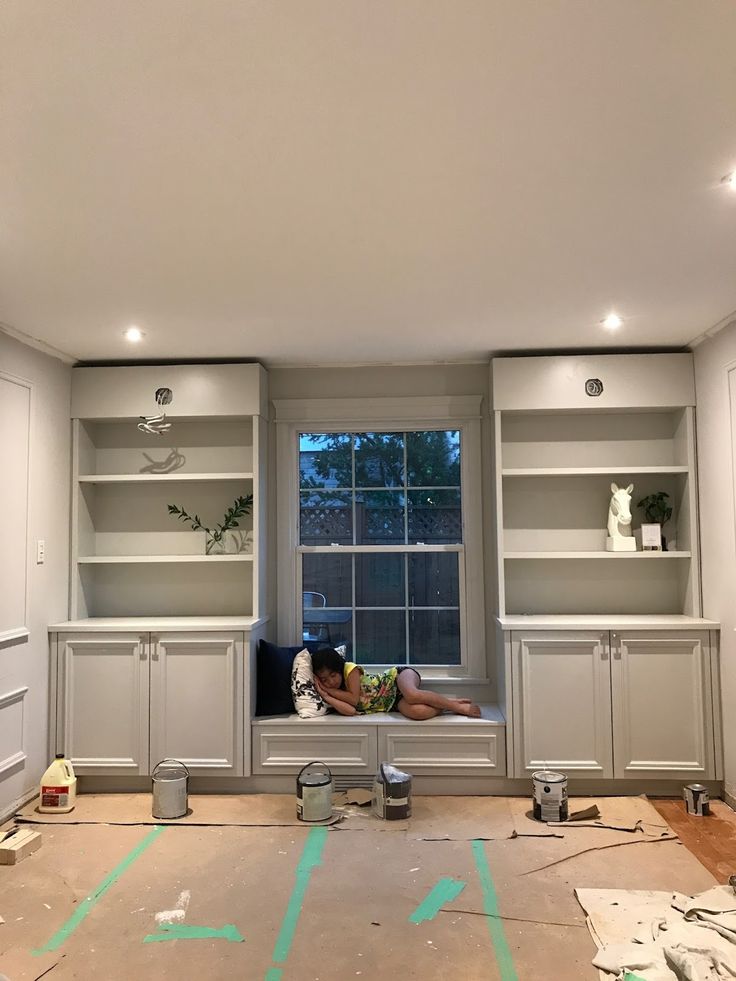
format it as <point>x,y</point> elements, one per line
<point>58,787</point>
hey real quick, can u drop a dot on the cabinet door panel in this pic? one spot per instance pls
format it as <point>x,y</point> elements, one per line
<point>662,711</point>
<point>103,703</point>
<point>429,750</point>
<point>562,703</point>
<point>197,701</point>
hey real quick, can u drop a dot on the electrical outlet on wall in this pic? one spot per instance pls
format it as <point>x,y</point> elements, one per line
<point>40,551</point>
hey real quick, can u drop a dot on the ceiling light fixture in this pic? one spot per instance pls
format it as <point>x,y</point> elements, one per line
<point>612,321</point>
<point>730,180</point>
<point>133,334</point>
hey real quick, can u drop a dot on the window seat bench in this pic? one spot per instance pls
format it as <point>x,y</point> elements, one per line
<point>354,746</point>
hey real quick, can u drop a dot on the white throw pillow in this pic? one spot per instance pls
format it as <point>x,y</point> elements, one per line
<point>307,700</point>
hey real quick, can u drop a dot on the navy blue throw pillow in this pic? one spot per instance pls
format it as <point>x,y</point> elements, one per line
<point>273,676</point>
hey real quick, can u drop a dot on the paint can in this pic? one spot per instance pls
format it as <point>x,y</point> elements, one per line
<point>170,786</point>
<point>314,792</point>
<point>696,799</point>
<point>549,790</point>
<point>391,794</point>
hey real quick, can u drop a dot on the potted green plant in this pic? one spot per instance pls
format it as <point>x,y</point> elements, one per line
<point>657,511</point>
<point>215,541</point>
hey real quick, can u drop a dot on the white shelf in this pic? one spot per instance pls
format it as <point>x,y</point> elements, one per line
<point>590,471</point>
<point>596,555</point>
<point>160,478</point>
<point>572,621</point>
<point>140,559</point>
<point>125,624</point>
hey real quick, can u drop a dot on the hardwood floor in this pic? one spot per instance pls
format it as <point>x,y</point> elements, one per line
<point>711,839</point>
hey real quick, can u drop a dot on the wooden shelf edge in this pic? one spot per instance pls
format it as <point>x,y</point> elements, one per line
<point>142,559</point>
<point>160,478</point>
<point>596,555</point>
<point>591,471</point>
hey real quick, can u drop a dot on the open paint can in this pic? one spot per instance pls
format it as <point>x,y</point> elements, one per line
<point>697,799</point>
<point>550,795</point>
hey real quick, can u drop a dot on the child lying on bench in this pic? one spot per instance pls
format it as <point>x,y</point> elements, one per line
<point>351,691</point>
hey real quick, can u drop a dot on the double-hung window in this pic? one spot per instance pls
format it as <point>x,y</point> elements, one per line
<point>381,544</point>
<point>380,530</point>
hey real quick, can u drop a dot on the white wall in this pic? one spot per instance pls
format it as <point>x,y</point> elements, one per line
<point>25,663</point>
<point>394,381</point>
<point>718,537</point>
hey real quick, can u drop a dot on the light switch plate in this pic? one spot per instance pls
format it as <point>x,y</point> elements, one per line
<point>40,551</point>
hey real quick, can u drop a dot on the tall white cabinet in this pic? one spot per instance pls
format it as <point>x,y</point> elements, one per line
<point>157,656</point>
<point>606,667</point>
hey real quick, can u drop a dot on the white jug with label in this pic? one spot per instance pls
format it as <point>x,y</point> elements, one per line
<point>58,787</point>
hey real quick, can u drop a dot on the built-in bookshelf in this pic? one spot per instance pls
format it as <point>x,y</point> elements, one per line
<point>130,556</point>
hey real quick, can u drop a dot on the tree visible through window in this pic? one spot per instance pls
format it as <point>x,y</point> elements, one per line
<point>381,544</point>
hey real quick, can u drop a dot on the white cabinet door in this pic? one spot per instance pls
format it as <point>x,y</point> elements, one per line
<point>197,701</point>
<point>562,703</point>
<point>102,723</point>
<point>662,710</point>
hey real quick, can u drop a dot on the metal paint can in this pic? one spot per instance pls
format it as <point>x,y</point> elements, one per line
<point>170,786</point>
<point>314,792</point>
<point>550,795</point>
<point>391,799</point>
<point>696,799</point>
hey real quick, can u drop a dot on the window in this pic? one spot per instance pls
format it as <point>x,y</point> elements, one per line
<point>380,552</point>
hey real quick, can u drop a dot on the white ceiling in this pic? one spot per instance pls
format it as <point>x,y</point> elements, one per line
<point>303,181</point>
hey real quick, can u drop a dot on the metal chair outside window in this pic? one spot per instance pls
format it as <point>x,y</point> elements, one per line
<point>314,631</point>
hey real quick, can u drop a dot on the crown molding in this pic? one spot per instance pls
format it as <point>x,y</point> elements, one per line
<point>37,343</point>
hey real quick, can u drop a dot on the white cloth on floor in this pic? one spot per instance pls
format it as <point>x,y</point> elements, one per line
<point>663,936</point>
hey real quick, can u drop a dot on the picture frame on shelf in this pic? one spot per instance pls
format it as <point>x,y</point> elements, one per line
<point>651,537</point>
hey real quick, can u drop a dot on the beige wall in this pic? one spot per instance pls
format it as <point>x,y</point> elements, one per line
<point>25,663</point>
<point>713,358</point>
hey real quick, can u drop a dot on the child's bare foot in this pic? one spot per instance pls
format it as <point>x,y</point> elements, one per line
<point>463,706</point>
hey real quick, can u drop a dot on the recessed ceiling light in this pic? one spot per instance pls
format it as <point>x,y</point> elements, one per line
<point>612,321</point>
<point>133,334</point>
<point>730,180</point>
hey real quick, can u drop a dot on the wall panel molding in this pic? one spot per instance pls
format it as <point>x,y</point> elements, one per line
<point>12,728</point>
<point>15,439</point>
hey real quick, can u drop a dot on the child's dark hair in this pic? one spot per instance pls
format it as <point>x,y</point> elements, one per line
<point>328,658</point>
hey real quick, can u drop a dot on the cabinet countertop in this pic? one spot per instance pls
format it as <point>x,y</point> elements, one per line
<point>606,622</point>
<point>132,624</point>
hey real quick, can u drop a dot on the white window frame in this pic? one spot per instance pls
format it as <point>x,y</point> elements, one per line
<point>406,414</point>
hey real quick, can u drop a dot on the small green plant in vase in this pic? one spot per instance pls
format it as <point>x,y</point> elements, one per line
<point>215,541</point>
<point>657,511</point>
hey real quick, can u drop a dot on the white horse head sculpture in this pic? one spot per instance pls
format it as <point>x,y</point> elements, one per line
<point>619,511</point>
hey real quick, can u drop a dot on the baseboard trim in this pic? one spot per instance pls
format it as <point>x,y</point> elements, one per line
<point>424,785</point>
<point>11,809</point>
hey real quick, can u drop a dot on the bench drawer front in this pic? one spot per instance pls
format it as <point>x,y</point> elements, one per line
<point>428,750</point>
<point>286,749</point>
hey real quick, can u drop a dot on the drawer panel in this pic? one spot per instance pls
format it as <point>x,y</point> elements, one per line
<point>285,749</point>
<point>442,751</point>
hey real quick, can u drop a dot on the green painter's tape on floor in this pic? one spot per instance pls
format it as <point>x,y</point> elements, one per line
<point>444,892</point>
<point>80,913</point>
<point>180,931</point>
<point>628,976</point>
<point>501,949</point>
<point>311,858</point>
